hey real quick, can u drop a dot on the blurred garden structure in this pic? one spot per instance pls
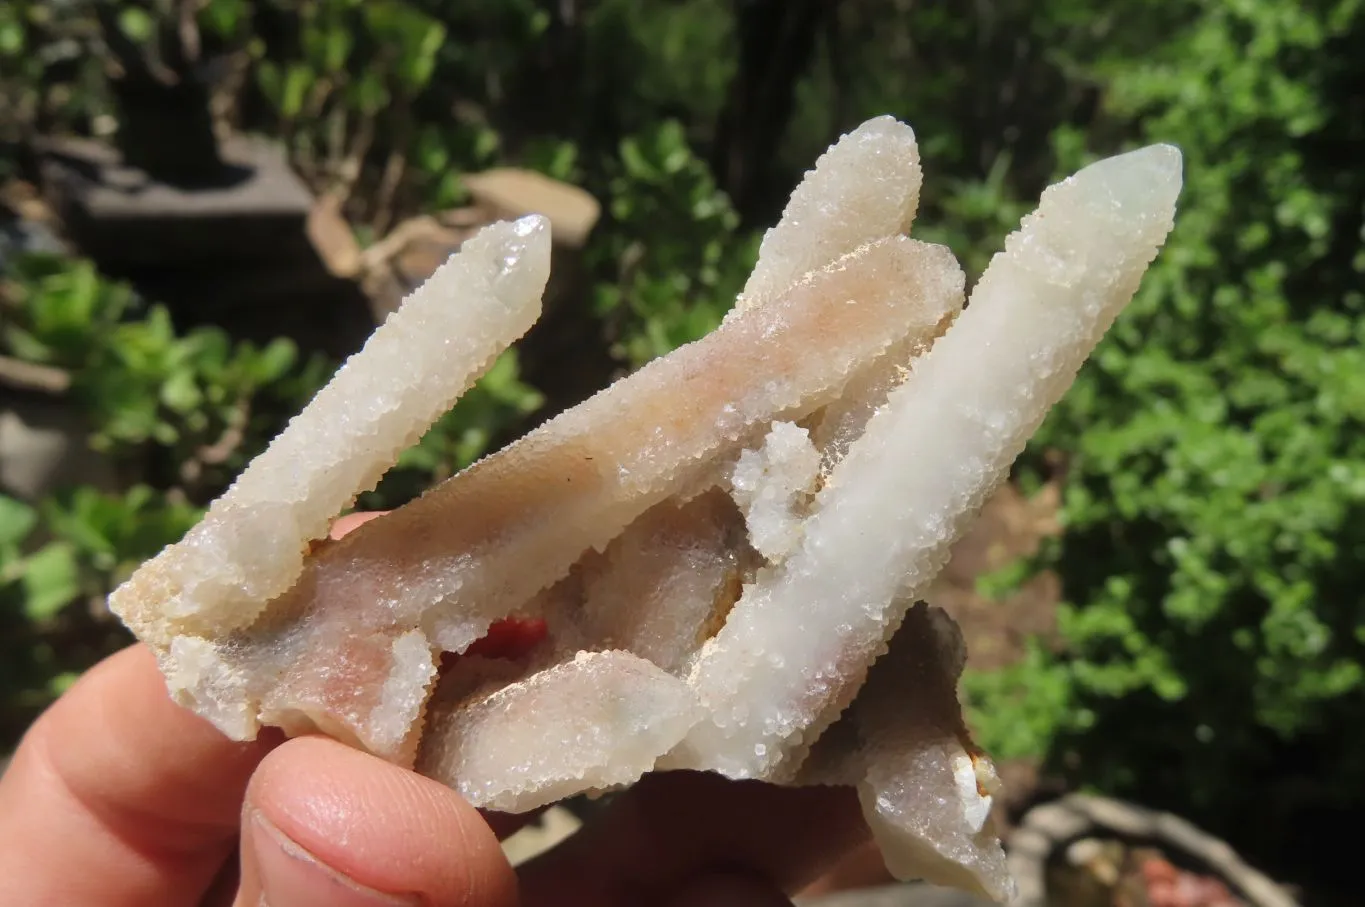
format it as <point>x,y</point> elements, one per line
<point>208,203</point>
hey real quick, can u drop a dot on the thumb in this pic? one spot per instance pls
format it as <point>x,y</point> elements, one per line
<point>326,824</point>
<point>277,871</point>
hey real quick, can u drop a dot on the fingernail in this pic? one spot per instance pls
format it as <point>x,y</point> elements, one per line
<point>730,889</point>
<point>290,876</point>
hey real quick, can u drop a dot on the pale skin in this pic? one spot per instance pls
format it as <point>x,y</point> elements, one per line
<point>117,797</point>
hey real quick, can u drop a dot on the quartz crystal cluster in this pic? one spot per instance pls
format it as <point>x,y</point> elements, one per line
<point>727,549</point>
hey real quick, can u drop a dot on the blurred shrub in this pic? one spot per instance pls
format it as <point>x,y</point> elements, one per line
<point>673,244</point>
<point>49,81</point>
<point>194,401</point>
<point>58,561</point>
<point>182,412</point>
<point>1214,488</point>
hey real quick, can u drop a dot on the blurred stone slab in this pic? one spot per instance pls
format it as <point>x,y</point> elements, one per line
<point>256,211</point>
<point>43,447</point>
<point>252,253</point>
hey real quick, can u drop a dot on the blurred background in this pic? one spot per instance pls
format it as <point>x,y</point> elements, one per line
<point>205,205</point>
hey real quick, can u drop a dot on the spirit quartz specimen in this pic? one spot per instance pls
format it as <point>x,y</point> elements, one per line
<point>726,547</point>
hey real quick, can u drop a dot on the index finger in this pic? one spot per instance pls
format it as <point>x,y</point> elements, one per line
<point>143,796</point>
<point>118,796</point>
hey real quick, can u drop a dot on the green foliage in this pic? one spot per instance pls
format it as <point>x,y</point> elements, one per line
<point>94,540</point>
<point>1019,710</point>
<point>341,79</point>
<point>674,56</point>
<point>174,407</point>
<point>362,59</point>
<point>57,563</point>
<point>1215,489</point>
<point>996,584</point>
<point>146,388</point>
<point>973,215</point>
<point>47,76</point>
<point>106,536</point>
<point>61,310</point>
<point>673,238</point>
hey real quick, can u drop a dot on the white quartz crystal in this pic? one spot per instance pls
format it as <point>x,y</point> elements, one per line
<point>725,547</point>
<point>197,675</point>
<point>772,484</point>
<point>577,481</point>
<point>864,188</point>
<point>404,694</point>
<point>484,544</point>
<point>666,583</point>
<point>926,790</point>
<point>801,639</point>
<point>250,546</point>
<point>592,723</point>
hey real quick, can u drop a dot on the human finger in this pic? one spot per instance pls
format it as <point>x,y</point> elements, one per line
<point>672,829</point>
<point>118,796</point>
<point>352,521</point>
<point>326,824</point>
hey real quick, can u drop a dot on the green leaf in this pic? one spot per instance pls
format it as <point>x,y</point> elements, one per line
<point>11,37</point>
<point>62,682</point>
<point>270,79</point>
<point>50,580</point>
<point>415,69</point>
<point>486,142</point>
<point>180,392</point>
<point>637,165</point>
<point>25,346</point>
<point>17,520</point>
<point>999,584</point>
<point>274,362</point>
<point>224,17</point>
<point>450,191</point>
<point>298,79</point>
<point>136,24</point>
<point>369,94</point>
<point>338,49</point>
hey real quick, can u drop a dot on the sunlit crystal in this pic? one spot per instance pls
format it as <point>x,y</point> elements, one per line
<point>720,548</point>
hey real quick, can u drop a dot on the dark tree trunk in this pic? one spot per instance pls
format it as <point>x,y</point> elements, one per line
<point>777,41</point>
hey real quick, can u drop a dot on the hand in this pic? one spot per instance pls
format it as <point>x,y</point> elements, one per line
<point>119,797</point>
